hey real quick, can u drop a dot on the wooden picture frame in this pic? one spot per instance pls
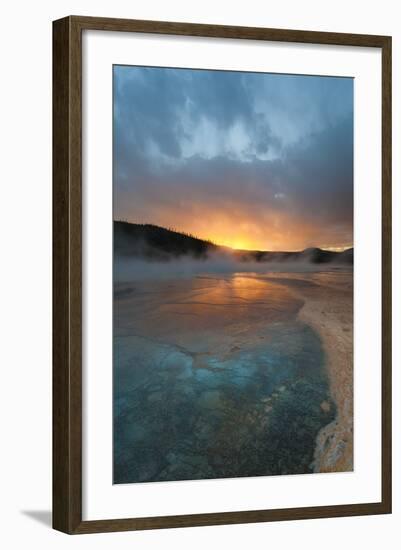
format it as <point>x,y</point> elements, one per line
<point>67,274</point>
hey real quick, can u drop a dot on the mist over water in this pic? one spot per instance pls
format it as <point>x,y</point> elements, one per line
<point>129,269</point>
<point>214,376</point>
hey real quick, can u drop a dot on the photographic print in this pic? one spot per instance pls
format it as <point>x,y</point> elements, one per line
<point>232,274</point>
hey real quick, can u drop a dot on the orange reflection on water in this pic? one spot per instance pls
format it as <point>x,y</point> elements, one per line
<point>195,312</point>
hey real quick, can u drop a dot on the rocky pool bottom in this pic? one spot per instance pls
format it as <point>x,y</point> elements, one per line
<point>215,377</point>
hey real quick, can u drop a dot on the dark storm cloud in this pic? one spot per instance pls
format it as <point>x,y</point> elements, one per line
<point>270,153</point>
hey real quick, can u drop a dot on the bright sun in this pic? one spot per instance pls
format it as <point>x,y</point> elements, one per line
<point>236,243</point>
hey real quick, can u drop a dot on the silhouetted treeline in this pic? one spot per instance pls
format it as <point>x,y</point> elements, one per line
<point>158,243</point>
<point>313,255</point>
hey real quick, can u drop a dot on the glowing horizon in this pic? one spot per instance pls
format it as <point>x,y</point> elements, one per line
<point>236,242</point>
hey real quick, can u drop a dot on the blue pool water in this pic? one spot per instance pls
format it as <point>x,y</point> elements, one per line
<point>214,377</point>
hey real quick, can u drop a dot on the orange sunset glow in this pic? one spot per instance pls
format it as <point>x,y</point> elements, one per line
<point>277,234</point>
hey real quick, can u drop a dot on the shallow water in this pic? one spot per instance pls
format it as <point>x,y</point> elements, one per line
<point>214,377</point>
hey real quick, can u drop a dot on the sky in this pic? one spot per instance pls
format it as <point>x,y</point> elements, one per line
<point>248,160</point>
